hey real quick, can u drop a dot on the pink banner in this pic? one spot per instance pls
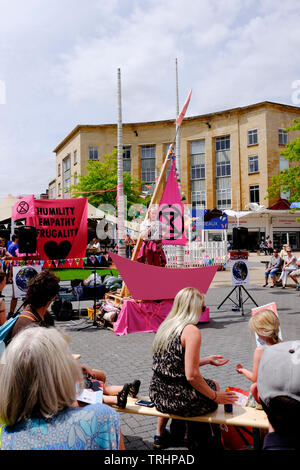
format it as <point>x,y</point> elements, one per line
<point>23,208</point>
<point>61,228</point>
<point>171,210</point>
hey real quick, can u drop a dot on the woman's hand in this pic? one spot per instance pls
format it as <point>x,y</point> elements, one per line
<point>239,368</point>
<point>216,360</point>
<point>226,398</point>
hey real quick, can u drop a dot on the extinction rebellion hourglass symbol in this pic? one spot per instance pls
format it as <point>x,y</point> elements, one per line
<point>23,208</point>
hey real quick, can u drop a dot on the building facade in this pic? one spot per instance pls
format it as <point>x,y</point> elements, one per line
<point>227,158</point>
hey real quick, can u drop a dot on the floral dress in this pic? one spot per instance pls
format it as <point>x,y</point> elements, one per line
<point>88,428</point>
<point>169,389</point>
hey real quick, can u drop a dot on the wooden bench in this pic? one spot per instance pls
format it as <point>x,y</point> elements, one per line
<point>242,416</point>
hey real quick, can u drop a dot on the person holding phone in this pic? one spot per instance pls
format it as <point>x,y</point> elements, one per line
<point>177,386</point>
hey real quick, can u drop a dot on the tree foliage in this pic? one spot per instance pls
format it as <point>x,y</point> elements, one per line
<point>289,179</point>
<point>102,175</point>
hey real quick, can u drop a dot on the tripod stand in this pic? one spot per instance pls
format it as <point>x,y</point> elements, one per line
<point>94,307</point>
<point>239,295</point>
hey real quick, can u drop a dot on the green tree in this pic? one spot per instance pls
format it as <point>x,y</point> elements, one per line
<point>289,179</point>
<point>102,175</point>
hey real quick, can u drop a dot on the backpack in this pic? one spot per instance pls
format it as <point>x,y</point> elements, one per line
<point>9,324</point>
<point>62,309</point>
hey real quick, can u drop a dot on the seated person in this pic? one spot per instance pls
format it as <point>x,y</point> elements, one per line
<point>41,292</point>
<point>279,395</point>
<point>283,253</point>
<point>39,379</point>
<point>4,254</point>
<point>289,266</point>
<point>177,386</point>
<point>295,274</point>
<point>274,267</point>
<point>263,247</point>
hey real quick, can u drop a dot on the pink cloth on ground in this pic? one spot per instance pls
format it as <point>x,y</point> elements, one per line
<point>145,317</point>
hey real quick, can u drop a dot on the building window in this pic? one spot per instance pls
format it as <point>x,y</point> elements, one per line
<point>67,174</point>
<point>223,166</point>
<point>93,153</point>
<point>58,170</point>
<point>283,165</point>
<point>127,159</point>
<point>75,157</point>
<point>223,193</point>
<point>252,137</point>
<point>148,166</point>
<point>198,194</point>
<point>52,193</point>
<point>223,143</point>
<point>59,189</point>
<point>282,137</point>
<point>254,194</point>
<point>198,190</point>
<point>75,178</point>
<point>223,172</point>
<point>253,164</point>
<point>197,152</point>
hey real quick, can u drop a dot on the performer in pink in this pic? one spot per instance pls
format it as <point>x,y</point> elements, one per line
<point>151,251</point>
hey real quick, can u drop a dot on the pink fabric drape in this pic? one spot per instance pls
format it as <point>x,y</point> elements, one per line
<point>145,317</point>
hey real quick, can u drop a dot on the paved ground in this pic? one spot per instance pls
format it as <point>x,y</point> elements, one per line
<point>128,357</point>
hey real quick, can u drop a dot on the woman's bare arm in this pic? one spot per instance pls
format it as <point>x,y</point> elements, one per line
<point>191,340</point>
<point>252,375</point>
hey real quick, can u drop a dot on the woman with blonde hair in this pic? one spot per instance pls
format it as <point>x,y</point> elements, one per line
<point>177,386</point>
<point>265,324</point>
<point>39,381</point>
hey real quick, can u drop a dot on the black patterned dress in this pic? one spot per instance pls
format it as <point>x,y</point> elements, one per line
<point>169,389</point>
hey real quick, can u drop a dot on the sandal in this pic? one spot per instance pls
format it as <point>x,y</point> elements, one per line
<point>134,388</point>
<point>122,396</point>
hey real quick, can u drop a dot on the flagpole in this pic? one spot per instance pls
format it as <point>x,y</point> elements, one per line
<point>179,248</point>
<point>120,189</point>
<point>177,147</point>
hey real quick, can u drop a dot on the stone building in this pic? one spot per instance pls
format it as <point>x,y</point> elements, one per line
<point>227,157</point>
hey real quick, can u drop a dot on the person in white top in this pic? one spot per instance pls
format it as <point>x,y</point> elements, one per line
<point>295,274</point>
<point>290,264</point>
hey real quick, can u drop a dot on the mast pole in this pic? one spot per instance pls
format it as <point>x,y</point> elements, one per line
<point>120,190</point>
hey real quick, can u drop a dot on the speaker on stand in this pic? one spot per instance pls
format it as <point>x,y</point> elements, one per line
<point>27,239</point>
<point>240,238</point>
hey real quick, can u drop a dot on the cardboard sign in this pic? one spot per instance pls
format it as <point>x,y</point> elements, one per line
<point>21,277</point>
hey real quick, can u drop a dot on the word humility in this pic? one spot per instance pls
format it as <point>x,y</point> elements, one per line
<point>56,217</point>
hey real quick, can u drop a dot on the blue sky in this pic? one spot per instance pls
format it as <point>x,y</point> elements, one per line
<point>59,60</point>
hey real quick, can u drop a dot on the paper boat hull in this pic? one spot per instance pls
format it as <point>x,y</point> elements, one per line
<point>147,282</point>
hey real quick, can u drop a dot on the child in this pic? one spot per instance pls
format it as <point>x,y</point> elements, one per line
<point>112,394</point>
<point>117,394</point>
<point>266,325</point>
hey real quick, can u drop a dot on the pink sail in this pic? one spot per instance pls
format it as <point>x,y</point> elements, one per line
<point>147,282</point>
<point>171,210</point>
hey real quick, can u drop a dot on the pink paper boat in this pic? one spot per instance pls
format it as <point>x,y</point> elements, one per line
<point>147,282</point>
